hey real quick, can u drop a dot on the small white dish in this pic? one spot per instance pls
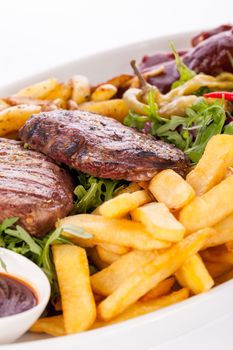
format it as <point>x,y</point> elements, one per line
<point>13,327</point>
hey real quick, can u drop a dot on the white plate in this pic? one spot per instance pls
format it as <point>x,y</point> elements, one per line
<point>145,332</point>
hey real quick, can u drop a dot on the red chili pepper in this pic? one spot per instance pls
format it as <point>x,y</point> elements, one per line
<point>220,94</point>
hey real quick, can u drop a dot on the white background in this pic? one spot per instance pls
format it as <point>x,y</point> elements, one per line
<point>36,35</point>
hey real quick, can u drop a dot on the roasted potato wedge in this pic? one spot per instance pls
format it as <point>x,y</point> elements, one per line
<point>104,92</point>
<point>13,118</point>
<point>116,108</point>
<point>39,90</point>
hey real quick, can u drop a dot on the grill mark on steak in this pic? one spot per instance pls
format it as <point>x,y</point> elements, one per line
<point>100,146</point>
<point>33,188</point>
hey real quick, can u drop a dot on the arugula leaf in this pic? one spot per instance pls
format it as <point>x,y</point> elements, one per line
<point>92,192</point>
<point>185,73</point>
<point>24,236</point>
<point>38,250</point>
<point>228,129</point>
<point>135,120</point>
<point>192,132</point>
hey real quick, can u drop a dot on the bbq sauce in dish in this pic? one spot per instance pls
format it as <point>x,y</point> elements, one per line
<point>15,296</point>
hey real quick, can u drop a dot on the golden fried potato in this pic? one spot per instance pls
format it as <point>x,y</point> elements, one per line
<point>116,249</point>
<point>224,278</point>
<point>39,90</point>
<point>159,222</point>
<point>217,269</point>
<point>109,279</point>
<point>104,92</point>
<point>114,231</point>
<point>210,208</point>
<point>219,254</point>
<point>107,256</point>
<point>116,108</point>
<point>171,189</point>
<point>141,308</point>
<point>122,204</point>
<point>63,91</point>
<point>140,282</point>
<point>212,167</point>
<point>164,287</point>
<point>13,118</point>
<point>78,304</point>
<point>132,187</point>
<point>81,88</point>
<point>194,275</point>
<point>50,325</point>
<point>95,258</point>
<point>119,81</point>
<point>223,233</point>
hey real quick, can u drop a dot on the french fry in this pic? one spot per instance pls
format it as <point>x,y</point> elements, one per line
<point>50,325</point>
<point>39,90</point>
<point>81,88</point>
<point>141,308</point>
<point>104,92</point>
<point>164,287</point>
<point>106,255</point>
<point>133,187</point>
<point>210,208</point>
<point>140,282</point>
<point>95,258</point>
<point>223,233</point>
<point>78,304</point>
<point>224,278</point>
<point>217,269</point>
<point>109,279</point>
<point>171,189</point>
<point>159,222</point>
<point>117,249</point>
<point>218,254</point>
<point>63,91</point>
<point>114,231</point>
<point>115,108</point>
<point>194,275</point>
<point>122,204</point>
<point>212,167</point>
<point>13,118</point>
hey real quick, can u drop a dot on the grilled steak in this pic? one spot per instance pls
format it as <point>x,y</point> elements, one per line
<point>32,187</point>
<point>100,146</point>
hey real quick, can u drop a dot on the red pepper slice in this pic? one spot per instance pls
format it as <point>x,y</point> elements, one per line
<point>228,96</point>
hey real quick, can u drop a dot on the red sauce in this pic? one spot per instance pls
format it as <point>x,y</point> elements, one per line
<point>15,296</point>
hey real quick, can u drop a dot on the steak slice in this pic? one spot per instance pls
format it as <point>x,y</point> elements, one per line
<point>33,188</point>
<point>100,146</point>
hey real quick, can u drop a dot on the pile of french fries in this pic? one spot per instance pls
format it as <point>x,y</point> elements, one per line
<point>155,244</point>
